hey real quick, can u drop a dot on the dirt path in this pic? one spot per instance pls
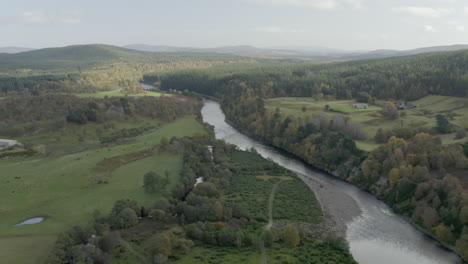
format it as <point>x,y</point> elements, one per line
<point>264,259</point>
<point>136,253</point>
<point>270,206</point>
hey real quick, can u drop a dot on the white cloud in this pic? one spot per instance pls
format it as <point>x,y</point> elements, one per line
<point>466,10</point>
<point>278,30</point>
<point>455,26</point>
<point>268,29</point>
<point>43,18</point>
<point>429,28</point>
<point>422,11</point>
<point>384,36</point>
<point>314,4</point>
<point>34,18</point>
<point>354,3</point>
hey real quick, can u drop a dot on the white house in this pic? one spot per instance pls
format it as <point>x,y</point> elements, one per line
<point>360,106</point>
<point>5,143</point>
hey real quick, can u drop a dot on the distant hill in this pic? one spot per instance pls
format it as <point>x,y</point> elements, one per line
<point>87,56</point>
<point>398,53</point>
<point>159,48</point>
<point>12,50</point>
<point>244,50</point>
<point>306,52</point>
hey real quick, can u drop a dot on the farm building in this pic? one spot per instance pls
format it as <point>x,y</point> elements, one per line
<point>360,106</point>
<point>404,105</point>
<point>5,143</point>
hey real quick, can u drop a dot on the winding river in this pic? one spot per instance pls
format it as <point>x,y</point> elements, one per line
<point>375,234</point>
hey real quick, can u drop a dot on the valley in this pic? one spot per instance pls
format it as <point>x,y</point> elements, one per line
<point>122,174</point>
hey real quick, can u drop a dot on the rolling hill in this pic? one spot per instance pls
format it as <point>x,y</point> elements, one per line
<point>84,57</point>
<point>312,53</point>
<point>12,50</point>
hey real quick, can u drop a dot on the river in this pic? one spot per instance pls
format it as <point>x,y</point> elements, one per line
<point>375,234</point>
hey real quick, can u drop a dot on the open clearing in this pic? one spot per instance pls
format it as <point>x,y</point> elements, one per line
<point>64,187</point>
<point>455,108</point>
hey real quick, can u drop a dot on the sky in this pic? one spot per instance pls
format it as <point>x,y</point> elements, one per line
<point>338,24</point>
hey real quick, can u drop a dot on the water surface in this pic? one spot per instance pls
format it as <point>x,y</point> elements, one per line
<point>31,221</point>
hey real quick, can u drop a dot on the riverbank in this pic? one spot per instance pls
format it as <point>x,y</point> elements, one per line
<point>387,233</point>
<point>337,215</point>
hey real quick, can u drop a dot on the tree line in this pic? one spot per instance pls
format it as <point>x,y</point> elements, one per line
<point>28,114</point>
<point>405,78</point>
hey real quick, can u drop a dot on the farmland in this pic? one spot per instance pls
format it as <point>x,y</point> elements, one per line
<point>455,108</point>
<point>68,188</point>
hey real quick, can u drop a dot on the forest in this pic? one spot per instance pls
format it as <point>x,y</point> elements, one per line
<point>417,176</point>
<point>405,78</point>
<point>93,68</point>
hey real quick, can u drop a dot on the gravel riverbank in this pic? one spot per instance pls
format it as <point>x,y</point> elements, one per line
<point>339,208</point>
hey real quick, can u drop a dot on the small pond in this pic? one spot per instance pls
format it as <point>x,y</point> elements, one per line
<point>31,221</point>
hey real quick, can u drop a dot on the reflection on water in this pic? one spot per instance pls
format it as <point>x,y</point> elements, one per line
<point>377,235</point>
<point>31,221</point>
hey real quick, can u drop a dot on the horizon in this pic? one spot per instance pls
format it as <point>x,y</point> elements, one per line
<point>337,24</point>
<point>291,47</point>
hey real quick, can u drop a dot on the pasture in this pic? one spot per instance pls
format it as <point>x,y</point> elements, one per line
<point>454,108</point>
<point>67,188</point>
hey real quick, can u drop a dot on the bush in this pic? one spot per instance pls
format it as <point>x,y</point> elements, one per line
<point>157,214</point>
<point>443,125</point>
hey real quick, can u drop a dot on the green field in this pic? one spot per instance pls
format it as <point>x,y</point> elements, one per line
<point>292,201</point>
<point>346,108</point>
<point>423,115</point>
<point>65,188</point>
<point>294,106</point>
<point>221,255</point>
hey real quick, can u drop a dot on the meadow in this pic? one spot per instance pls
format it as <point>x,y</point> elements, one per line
<point>455,108</point>
<point>63,184</point>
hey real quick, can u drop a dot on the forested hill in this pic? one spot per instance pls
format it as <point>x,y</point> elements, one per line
<point>408,78</point>
<point>92,68</point>
<point>87,56</point>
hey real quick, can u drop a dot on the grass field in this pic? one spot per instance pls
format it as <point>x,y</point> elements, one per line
<point>26,249</point>
<point>221,255</point>
<point>63,187</point>
<point>310,252</point>
<point>294,106</point>
<point>423,115</point>
<point>293,200</point>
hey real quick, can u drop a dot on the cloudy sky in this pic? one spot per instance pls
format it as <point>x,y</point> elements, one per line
<point>341,24</point>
